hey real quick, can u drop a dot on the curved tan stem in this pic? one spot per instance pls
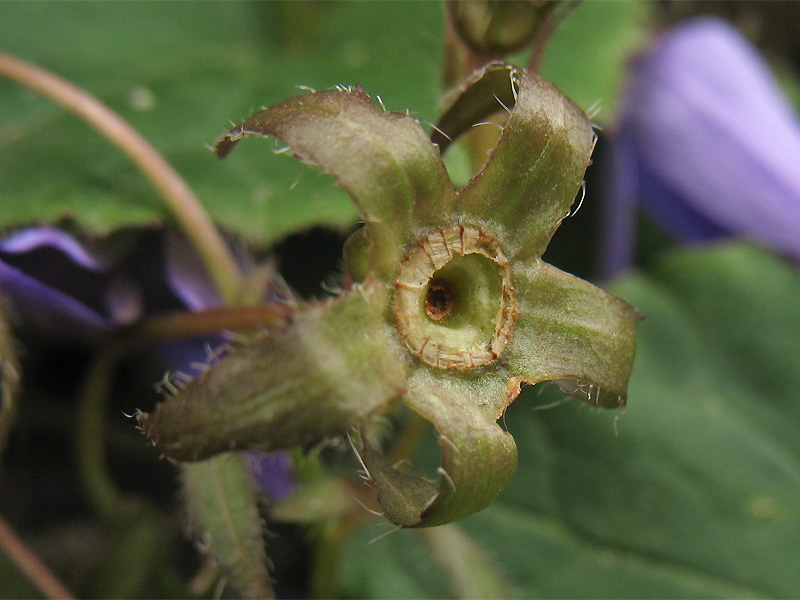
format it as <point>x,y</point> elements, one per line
<point>179,197</point>
<point>30,564</point>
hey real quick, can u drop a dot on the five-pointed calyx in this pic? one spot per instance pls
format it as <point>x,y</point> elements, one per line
<point>451,308</point>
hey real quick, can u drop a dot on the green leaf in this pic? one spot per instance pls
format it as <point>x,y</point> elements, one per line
<point>692,492</point>
<point>440,562</point>
<point>472,573</point>
<point>296,385</point>
<point>588,55</point>
<point>180,73</point>
<point>223,507</point>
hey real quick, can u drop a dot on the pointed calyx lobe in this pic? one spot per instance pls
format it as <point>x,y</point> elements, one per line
<point>536,169</point>
<point>453,310</point>
<point>383,159</point>
<point>295,385</point>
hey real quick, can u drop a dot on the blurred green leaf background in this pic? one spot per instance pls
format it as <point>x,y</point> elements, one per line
<point>181,72</point>
<point>693,491</point>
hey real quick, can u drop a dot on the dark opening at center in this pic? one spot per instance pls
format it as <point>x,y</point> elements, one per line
<point>439,301</point>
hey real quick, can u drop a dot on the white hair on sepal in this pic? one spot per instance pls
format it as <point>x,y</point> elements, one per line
<point>443,474</point>
<point>296,182</point>
<point>449,442</point>
<point>367,508</point>
<point>434,127</point>
<point>366,474</point>
<point>306,88</point>
<point>500,127</point>
<point>572,213</point>
<point>170,384</point>
<point>331,285</point>
<point>558,402</point>
<point>515,85</point>
<point>181,379</point>
<point>213,356</point>
<point>594,109</point>
<point>383,535</point>
<point>282,150</point>
<point>508,110</point>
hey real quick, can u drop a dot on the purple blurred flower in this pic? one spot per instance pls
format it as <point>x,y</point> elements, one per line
<point>707,143</point>
<point>87,291</point>
<point>57,283</point>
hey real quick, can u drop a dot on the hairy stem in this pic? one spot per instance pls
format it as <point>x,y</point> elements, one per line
<point>180,199</point>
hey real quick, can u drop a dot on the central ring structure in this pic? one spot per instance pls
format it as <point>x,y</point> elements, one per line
<point>454,300</point>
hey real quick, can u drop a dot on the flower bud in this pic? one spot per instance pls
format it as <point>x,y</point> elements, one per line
<point>495,28</point>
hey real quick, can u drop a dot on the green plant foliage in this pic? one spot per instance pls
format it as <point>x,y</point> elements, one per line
<point>15,584</point>
<point>588,55</point>
<point>179,72</point>
<point>692,492</point>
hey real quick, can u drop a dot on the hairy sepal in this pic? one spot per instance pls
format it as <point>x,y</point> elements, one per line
<point>335,364</point>
<point>478,456</point>
<point>383,159</point>
<point>224,515</point>
<point>535,170</point>
<point>574,334</point>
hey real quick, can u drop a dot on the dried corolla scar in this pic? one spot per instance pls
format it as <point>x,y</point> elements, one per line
<point>454,300</point>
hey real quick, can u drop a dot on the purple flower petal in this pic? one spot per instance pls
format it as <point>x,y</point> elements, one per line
<point>27,240</point>
<point>713,140</point>
<point>65,288</point>
<point>54,281</point>
<point>124,300</point>
<point>186,276</point>
<point>274,473</point>
<point>618,229</point>
<point>48,307</point>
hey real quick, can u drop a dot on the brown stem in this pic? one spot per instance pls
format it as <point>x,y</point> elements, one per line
<point>179,197</point>
<point>183,324</point>
<point>30,564</point>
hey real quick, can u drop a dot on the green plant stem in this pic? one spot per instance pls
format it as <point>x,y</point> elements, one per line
<point>324,578</point>
<point>409,439</point>
<point>180,199</point>
<point>554,19</point>
<point>30,564</point>
<point>90,440</point>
